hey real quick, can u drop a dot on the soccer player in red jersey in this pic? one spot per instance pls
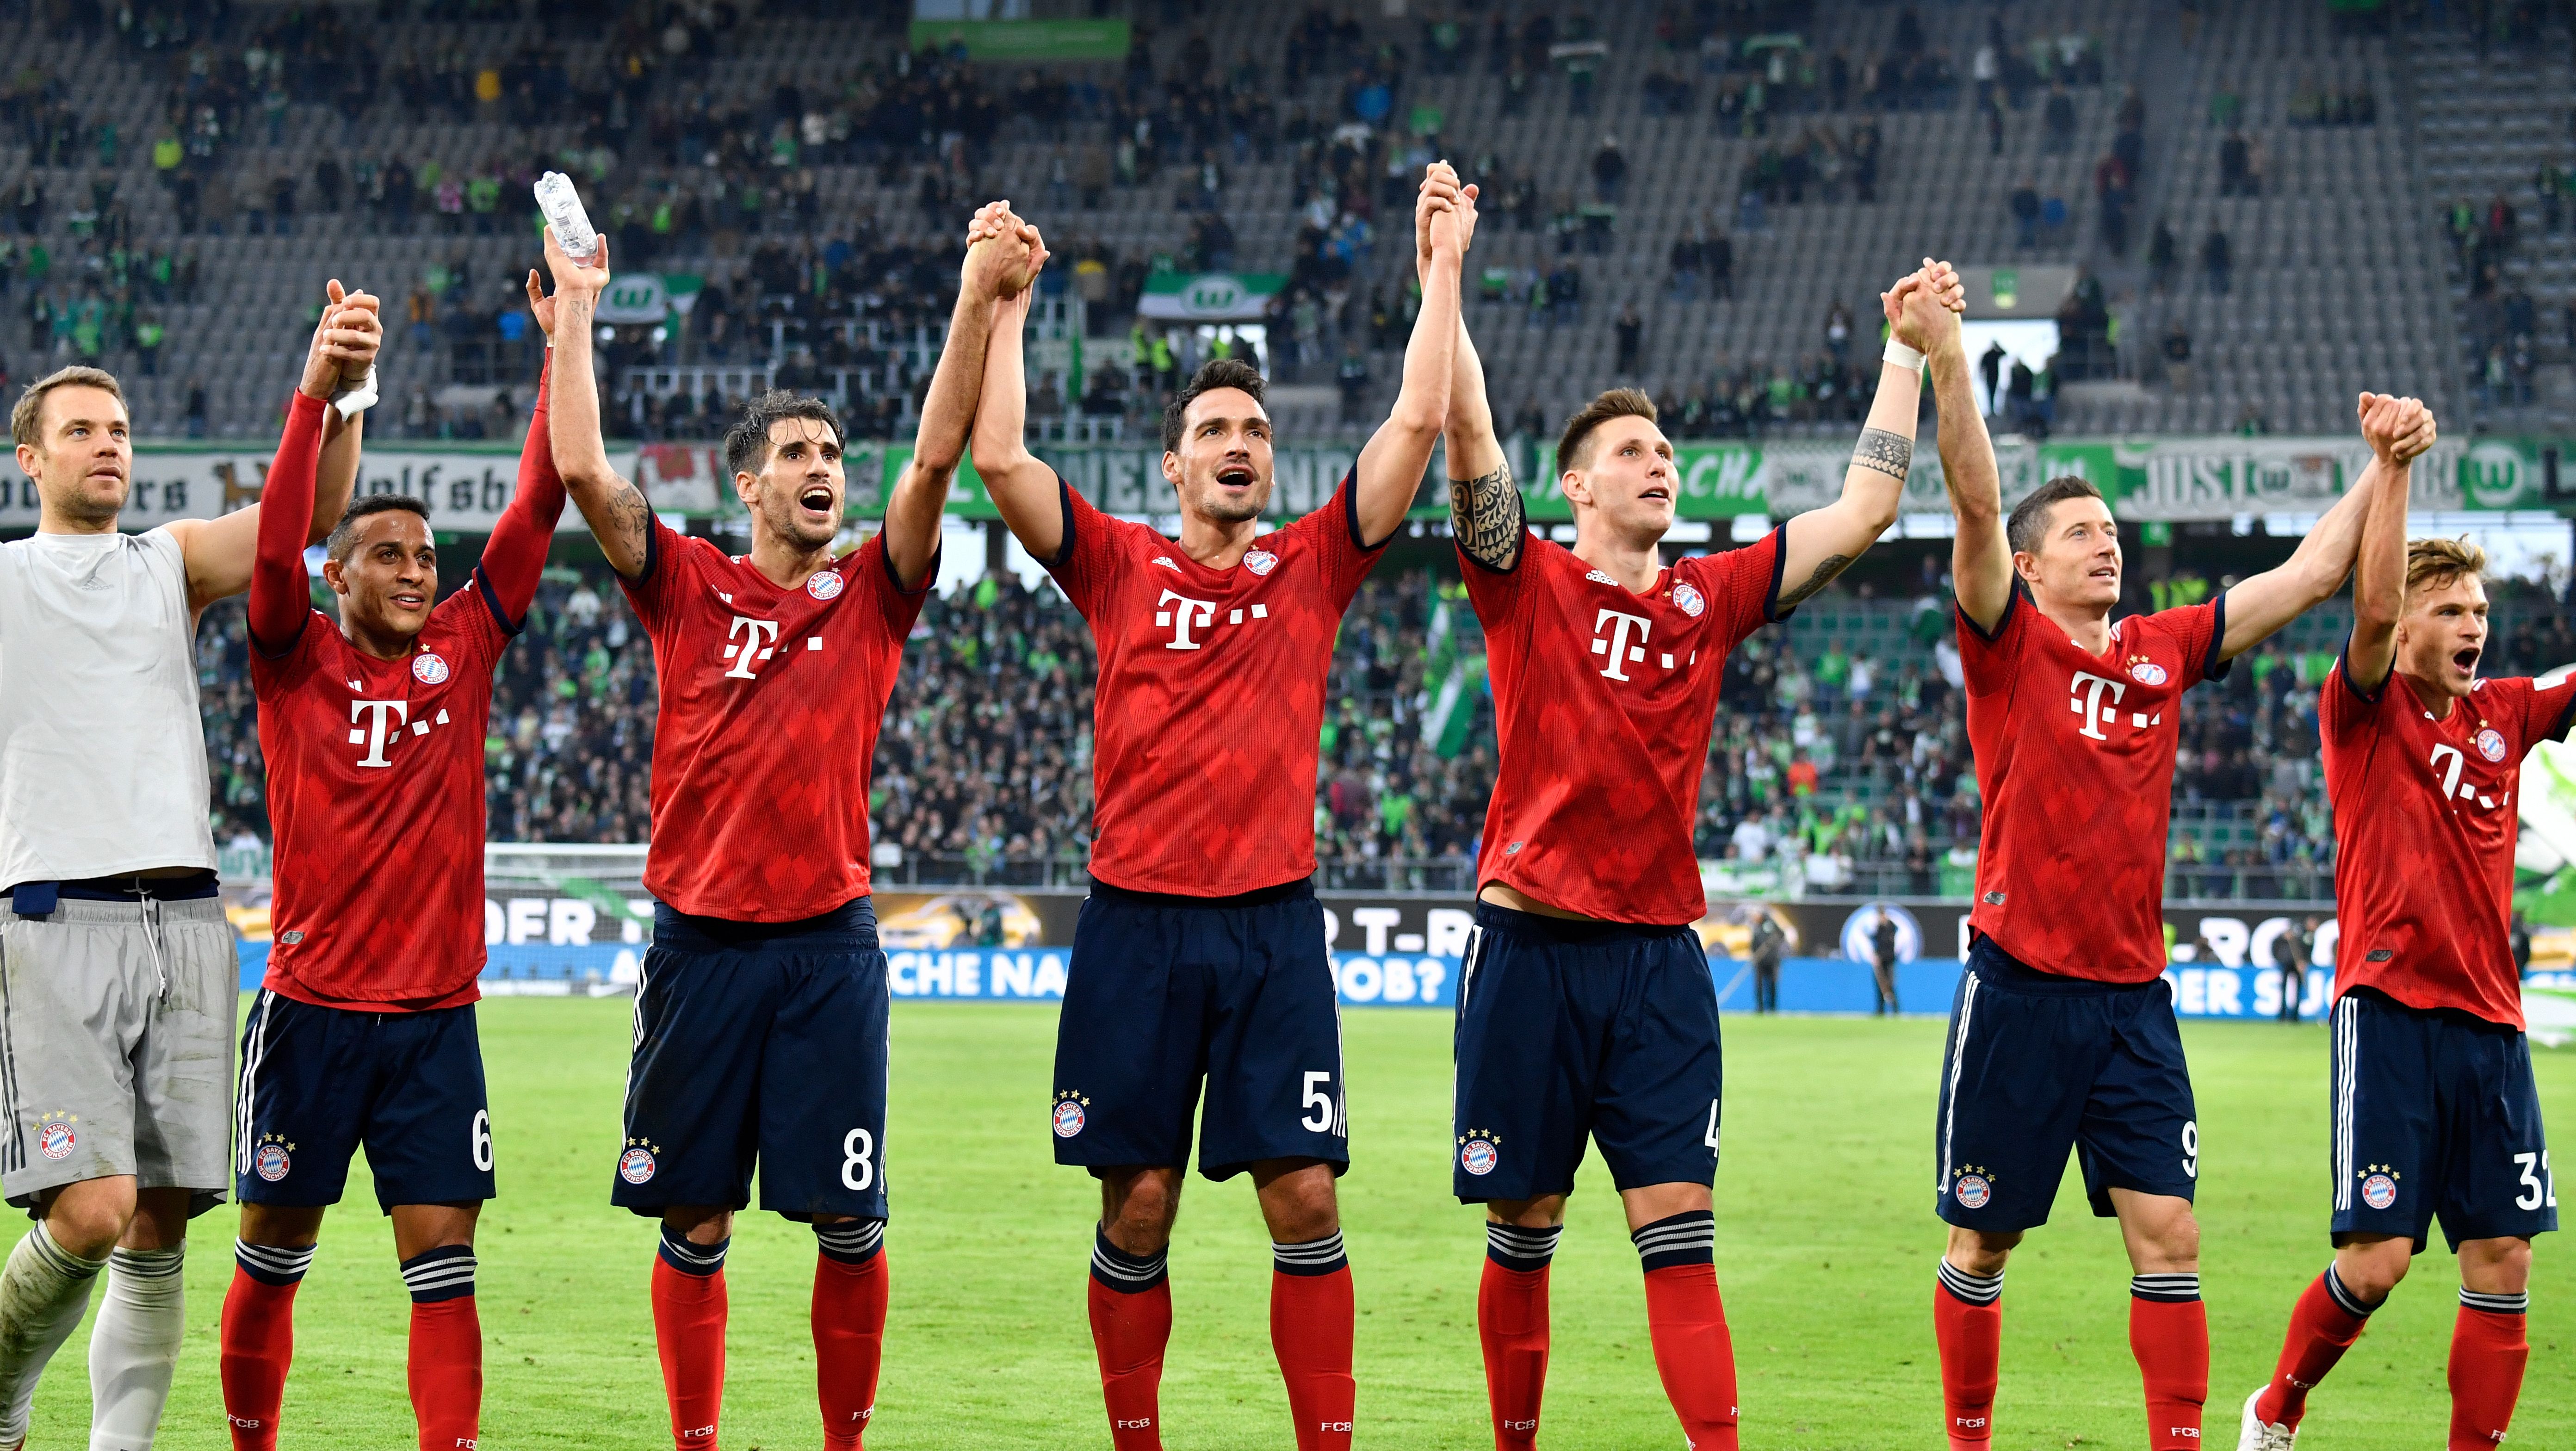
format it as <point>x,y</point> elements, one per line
<point>760,1024</point>
<point>1200,953</point>
<point>1586,1010</point>
<point>2434,1109</point>
<point>363,1032</point>
<point>2062,1035</point>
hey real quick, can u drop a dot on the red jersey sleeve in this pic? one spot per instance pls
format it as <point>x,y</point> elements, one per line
<point>1746,584</point>
<point>2543,713</point>
<point>899,607</point>
<point>1334,531</point>
<point>281,600</point>
<point>2346,713</point>
<point>666,552</point>
<point>1987,657</point>
<point>2200,629</point>
<point>1088,562</point>
<point>1497,593</point>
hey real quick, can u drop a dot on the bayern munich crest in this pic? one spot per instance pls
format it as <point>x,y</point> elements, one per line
<point>1261,561</point>
<point>2147,672</point>
<point>1972,1191</point>
<point>1069,1119</point>
<point>56,1140</point>
<point>824,584</point>
<point>1688,601</point>
<point>2490,743</point>
<point>636,1164</point>
<point>2379,1191</point>
<point>1477,1153</point>
<point>271,1162</point>
<point>429,668</point>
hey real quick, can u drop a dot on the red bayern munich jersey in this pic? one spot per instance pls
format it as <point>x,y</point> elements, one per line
<point>375,778</point>
<point>1603,702</point>
<point>1211,695</point>
<point>2075,764</point>
<point>771,700</point>
<point>2425,820</point>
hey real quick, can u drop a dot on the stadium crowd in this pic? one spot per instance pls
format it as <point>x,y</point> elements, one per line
<point>1841,765</point>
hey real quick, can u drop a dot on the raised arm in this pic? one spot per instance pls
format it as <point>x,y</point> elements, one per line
<point>1391,465</point>
<point>2379,577</point>
<point>220,553</point>
<point>996,255</point>
<point>1981,569</point>
<point>1023,488</point>
<point>515,556</point>
<point>612,506</point>
<point>1822,543</point>
<point>281,599</point>
<point>1485,508</point>
<point>2262,604</point>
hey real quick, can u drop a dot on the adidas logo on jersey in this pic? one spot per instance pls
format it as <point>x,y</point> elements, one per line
<point>1165,561</point>
<point>1597,577</point>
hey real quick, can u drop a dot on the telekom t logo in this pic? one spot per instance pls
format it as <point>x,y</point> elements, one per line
<point>378,721</point>
<point>2087,701</point>
<point>1181,614</point>
<point>1621,653</point>
<point>758,646</point>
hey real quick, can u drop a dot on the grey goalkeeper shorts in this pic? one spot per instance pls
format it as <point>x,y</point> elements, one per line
<point>116,1046</point>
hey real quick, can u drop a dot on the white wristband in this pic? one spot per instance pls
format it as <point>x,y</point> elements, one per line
<point>1902,356</point>
<point>357,398</point>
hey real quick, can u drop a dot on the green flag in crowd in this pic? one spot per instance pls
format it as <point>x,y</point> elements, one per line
<point>1454,679</point>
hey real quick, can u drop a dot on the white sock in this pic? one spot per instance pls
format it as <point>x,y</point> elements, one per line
<point>44,1291</point>
<point>135,1346</point>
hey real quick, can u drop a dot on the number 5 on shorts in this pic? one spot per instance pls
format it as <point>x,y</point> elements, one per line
<point>1321,1120</point>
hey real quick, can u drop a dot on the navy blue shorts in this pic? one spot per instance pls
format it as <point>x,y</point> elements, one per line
<point>2040,1063</point>
<point>317,1082</point>
<point>1576,1030</point>
<point>2435,1113</point>
<point>759,1042</point>
<point>1164,992</point>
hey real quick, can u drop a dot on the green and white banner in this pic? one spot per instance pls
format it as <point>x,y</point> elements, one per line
<point>1209,296</point>
<point>467,486</point>
<point>1025,40</point>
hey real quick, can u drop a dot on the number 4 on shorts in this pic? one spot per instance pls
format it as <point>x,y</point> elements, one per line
<point>1710,1138</point>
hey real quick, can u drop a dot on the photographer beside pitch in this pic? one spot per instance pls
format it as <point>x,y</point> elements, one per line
<point>2435,1110</point>
<point>121,969</point>
<point>364,1030</point>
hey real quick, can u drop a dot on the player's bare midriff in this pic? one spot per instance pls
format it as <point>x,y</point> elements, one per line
<point>1502,896</point>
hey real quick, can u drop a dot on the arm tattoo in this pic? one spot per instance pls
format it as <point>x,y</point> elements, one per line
<point>1833,564</point>
<point>630,515</point>
<point>1486,514</point>
<point>1883,452</point>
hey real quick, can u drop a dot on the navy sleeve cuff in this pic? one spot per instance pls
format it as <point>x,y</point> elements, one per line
<point>2216,666</point>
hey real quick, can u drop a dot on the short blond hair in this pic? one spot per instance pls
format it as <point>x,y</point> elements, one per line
<point>2439,563</point>
<point>31,404</point>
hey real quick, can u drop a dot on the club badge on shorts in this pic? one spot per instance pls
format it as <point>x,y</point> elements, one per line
<point>1069,1117</point>
<point>271,1160</point>
<point>1973,1189</point>
<point>2378,1188</point>
<point>636,1165</point>
<point>429,667</point>
<point>1479,1152</point>
<point>55,1138</point>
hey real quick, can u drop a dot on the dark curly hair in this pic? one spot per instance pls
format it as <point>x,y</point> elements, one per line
<point>746,444</point>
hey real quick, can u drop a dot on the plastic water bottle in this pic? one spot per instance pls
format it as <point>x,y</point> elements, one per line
<point>562,206</point>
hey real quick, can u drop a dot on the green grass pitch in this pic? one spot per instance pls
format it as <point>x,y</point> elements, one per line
<point>1825,1250</point>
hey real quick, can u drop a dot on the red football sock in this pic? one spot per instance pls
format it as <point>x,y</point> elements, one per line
<point>2488,1351</point>
<point>2322,1327</point>
<point>2170,1338</point>
<point>1131,1323</point>
<point>446,1373</point>
<point>1968,1323</point>
<point>849,1343</point>
<point>1511,1321</point>
<point>257,1336</point>
<point>1311,1324</point>
<point>1693,1353</point>
<point>689,1331</point>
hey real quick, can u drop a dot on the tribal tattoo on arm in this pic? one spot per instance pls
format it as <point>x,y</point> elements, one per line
<point>1486,514</point>
<point>1883,452</point>
<point>1826,569</point>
